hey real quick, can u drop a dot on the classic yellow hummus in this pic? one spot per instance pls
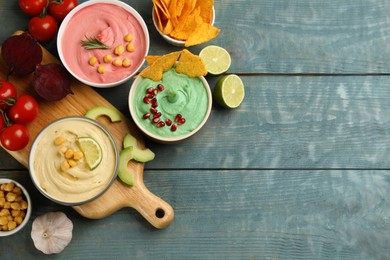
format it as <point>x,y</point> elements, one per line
<point>78,183</point>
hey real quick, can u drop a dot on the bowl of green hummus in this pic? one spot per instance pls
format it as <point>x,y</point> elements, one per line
<point>172,109</point>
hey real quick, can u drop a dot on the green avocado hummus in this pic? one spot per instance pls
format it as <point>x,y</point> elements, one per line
<point>180,95</point>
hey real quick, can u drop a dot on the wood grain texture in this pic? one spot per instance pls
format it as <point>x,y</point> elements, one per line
<point>239,214</point>
<point>299,171</point>
<point>82,99</point>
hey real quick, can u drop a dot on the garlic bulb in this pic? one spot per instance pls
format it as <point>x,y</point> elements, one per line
<point>52,232</point>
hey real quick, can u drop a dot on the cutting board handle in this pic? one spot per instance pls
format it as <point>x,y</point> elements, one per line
<point>155,210</point>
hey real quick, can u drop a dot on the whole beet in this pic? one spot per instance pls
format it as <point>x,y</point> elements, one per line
<point>21,53</point>
<point>51,81</point>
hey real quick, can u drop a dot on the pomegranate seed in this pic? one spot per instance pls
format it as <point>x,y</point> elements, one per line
<point>178,117</point>
<point>155,91</point>
<point>150,95</point>
<point>182,121</point>
<point>146,100</point>
<point>156,120</point>
<point>168,121</point>
<point>150,90</point>
<point>155,104</point>
<point>146,116</point>
<point>160,124</point>
<point>154,100</point>
<point>173,127</point>
<point>160,87</point>
<point>157,115</point>
<point>153,110</point>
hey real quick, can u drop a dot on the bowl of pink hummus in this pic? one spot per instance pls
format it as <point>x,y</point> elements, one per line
<point>103,43</point>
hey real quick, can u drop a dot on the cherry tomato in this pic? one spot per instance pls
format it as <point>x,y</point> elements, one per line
<point>14,137</point>
<point>24,111</point>
<point>32,7</point>
<point>7,94</point>
<point>60,8</point>
<point>2,122</point>
<point>43,28</point>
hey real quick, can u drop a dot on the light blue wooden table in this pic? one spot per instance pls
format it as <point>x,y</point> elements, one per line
<point>299,171</point>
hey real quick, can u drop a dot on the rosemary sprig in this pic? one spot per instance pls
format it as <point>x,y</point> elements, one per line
<point>93,43</point>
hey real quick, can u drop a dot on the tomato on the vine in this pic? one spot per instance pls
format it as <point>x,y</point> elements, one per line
<point>43,28</point>
<point>60,8</point>
<point>7,94</point>
<point>2,122</point>
<point>24,111</point>
<point>14,137</point>
<point>32,7</point>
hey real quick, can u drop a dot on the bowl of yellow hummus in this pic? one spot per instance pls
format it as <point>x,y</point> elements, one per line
<point>73,160</point>
<point>170,110</point>
<point>103,43</point>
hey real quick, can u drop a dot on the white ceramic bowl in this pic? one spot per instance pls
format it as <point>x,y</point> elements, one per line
<point>44,135</point>
<point>61,46</point>
<point>161,139</point>
<point>28,212</point>
<point>170,39</point>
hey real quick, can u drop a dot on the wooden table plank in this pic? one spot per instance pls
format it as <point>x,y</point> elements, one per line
<point>239,214</point>
<point>280,36</point>
<point>288,122</point>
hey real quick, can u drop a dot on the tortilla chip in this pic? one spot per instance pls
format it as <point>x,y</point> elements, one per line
<point>186,19</point>
<point>191,65</point>
<point>204,33</point>
<point>160,65</point>
<point>151,59</point>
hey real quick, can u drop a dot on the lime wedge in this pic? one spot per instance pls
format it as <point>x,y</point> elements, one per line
<point>229,91</point>
<point>216,58</point>
<point>92,151</point>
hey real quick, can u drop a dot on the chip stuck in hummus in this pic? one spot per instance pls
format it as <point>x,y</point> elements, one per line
<point>189,21</point>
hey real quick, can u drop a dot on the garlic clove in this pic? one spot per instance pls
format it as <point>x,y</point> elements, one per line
<point>52,232</point>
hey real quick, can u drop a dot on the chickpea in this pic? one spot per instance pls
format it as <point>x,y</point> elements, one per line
<point>93,61</point>
<point>65,166</point>
<point>9,187</point>
<point>101,69</point>
<point>15,205</point>
<point>128,37</point>
<point>117,62</point>
<point>23,204</point>
<point>15,213</point>
<point>11,225</point>
<point>78,155</point>
<point>69,153</point>
<point>72,163</point>
<point>2,202</point>
<point>130,47</point>
<point>11,196</point>
<point>126,62</point>
<point>17,191</point>
<point>107,58</point>
<point>59,140</point>
<point>3,221</point>
<point>18,220</point>
<point>4,213</point>
<point>119,50</point>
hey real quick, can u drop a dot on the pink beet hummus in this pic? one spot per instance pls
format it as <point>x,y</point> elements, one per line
<point>109,23</point>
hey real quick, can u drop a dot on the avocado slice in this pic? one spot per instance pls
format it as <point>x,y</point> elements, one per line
<point>97,111</point>
<point>124,173</point>
<point>140,155</point>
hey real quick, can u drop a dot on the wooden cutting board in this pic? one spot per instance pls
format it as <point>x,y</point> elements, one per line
<point>155,210</point>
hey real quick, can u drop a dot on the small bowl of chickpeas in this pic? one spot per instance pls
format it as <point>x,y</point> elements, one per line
<point>15,207</point>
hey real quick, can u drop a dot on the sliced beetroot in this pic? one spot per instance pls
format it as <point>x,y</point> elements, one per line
<point>51,81</point>
<point>21,53</point>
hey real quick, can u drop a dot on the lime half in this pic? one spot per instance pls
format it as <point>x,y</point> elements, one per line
<point>216,58</point>
<point>92,151</point>
<point>229,91</point>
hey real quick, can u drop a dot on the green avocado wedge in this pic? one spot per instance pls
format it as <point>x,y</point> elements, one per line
<point>124,173</point>
<point>139,155</point>
<point>110,112</point>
